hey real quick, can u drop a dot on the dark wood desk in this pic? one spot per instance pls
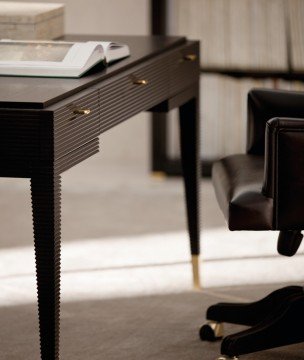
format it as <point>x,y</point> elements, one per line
<point>49,125</point>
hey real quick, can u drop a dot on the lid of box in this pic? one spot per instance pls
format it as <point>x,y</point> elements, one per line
<point>28,12</point>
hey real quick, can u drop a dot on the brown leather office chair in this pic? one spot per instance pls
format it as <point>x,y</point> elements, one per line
<point>264,190</point>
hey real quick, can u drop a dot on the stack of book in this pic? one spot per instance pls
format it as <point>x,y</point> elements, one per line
<point>236,34</point>
<point>224,111</point>
<point>295,15</point>
<point>224,114</point>
<point>243,38</point>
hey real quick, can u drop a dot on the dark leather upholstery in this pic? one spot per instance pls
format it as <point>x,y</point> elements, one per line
<point>265,104</point>
<point>284,171</point>
<point>264,189</point>
<point>238,181</point>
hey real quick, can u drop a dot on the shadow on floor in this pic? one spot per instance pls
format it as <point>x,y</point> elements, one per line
<point>160,327</point>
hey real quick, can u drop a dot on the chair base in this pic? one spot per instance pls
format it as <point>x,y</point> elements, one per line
<point>277,320</point>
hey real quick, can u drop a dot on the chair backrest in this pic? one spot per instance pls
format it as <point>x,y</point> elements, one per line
<point>265,104</point>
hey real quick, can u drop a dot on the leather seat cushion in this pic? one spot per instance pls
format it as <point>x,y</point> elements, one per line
<point>238,181</point>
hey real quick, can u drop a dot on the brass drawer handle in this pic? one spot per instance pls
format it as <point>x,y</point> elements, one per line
<point>140,82</point>
<point>80,111</point>
<point>190,57</point>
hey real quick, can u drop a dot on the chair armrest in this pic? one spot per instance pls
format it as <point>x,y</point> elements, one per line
<point>266,104</point>
<point>284,171</point>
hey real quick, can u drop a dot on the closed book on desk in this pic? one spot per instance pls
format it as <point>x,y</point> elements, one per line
<point>56,58</point>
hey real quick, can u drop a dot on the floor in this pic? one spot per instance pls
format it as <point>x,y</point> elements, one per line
<point>155,327</point>
<point>126,284</point>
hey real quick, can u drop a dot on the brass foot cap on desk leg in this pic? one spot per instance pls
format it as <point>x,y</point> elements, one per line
<point>158,175</point>
<point>196,272</point>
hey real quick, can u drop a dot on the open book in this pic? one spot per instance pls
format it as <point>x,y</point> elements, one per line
<point>56,58</point>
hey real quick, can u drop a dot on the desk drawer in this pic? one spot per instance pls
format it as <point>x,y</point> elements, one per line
<point>185,68</point>
<point>138,91</point>
<point>76,123</point>
<point>148,85</point>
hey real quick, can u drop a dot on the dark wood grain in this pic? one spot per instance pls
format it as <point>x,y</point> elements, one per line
<point>189,120</point>
<point>38,93</point>
<point>41,137</point>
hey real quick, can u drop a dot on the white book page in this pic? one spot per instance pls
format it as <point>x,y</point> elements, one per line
<point>20,51</point>
<point>114,51</point>
<point>48,54</point>
<point>57,58</point>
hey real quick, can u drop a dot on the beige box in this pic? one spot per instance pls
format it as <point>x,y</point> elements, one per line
<point>31,21</point>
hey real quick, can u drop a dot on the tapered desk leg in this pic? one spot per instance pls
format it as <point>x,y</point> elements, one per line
<point>190,156</point>
<point>46,218</point>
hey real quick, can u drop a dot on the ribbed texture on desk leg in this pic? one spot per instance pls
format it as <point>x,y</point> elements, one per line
<point>46,199</point>
<point>123,99</point>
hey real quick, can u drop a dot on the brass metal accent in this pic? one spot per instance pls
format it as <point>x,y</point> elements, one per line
<point>190,57</point>
<point>218,328</point>
<point>196,271</point>
<point>140,82</point>
<point>226,358</point>
<point>80,111</point>
<point>158,175</point>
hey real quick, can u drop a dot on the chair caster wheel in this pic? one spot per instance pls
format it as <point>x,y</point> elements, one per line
<point>212,331</point>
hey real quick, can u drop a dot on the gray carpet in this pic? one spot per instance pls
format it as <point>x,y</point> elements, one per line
<point>155,327</point>
<point>136,304</point>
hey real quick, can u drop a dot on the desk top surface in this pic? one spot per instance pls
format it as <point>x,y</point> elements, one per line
<point>38,93</point>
